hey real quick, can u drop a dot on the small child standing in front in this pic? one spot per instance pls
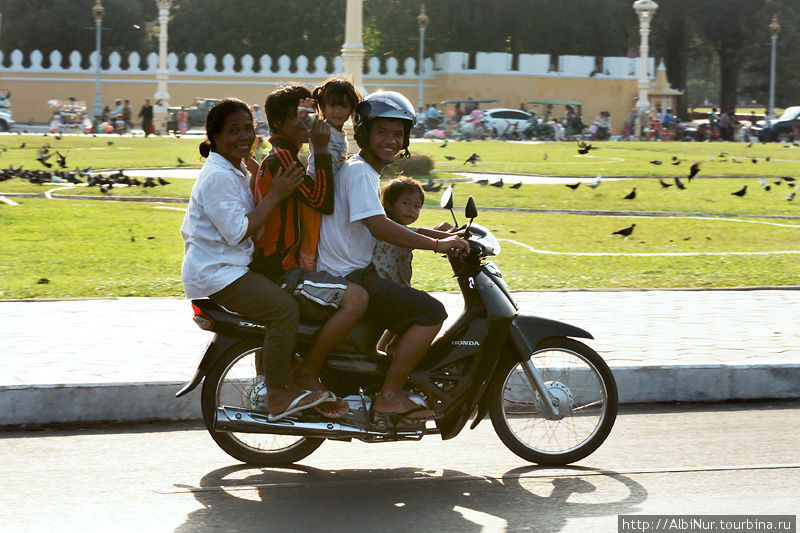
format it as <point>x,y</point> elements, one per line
<point>335,100</point>
<point>402,198</point>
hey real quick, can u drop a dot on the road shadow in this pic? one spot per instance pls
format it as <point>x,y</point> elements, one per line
<point>301,498</point>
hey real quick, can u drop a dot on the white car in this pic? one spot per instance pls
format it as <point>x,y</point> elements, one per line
<point>498,122</point>
<point>780,129</point>
<point>6,122</point>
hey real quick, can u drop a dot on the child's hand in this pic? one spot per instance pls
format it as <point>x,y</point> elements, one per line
<point>285,181</point>
<point>320,137</point>
<point>453,245</point>
<point>444,226</point>
<point>306,115</point>
<point>308,103</point>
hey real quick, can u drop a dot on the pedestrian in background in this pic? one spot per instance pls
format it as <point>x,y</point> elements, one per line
<point>146,114</point>
<point>127,113</point>
<point>183,120</point>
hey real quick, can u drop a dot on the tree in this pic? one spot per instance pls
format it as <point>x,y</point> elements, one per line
<point>725,24</point>
<point>756,69</point>
<point>273,27</point>
<point>67,25</point>
<point>671,35</point>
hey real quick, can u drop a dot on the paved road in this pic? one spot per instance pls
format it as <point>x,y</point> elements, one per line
<point>123,358</point>
<point>699,459</point>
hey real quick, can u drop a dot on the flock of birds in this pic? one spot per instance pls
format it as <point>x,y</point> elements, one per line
<point>473,159</point>
<point>104,182</point>
<point>78,176</point>
<point>584,148</point>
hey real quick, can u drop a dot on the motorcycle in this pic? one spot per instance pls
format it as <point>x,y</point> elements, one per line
<point>551,399</point>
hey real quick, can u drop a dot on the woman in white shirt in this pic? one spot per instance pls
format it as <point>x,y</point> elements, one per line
<point>217,230</point>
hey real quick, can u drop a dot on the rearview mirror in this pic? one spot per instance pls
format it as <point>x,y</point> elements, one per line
<point>447,202</point>
<point>470,211</point>
<point>447,198</point>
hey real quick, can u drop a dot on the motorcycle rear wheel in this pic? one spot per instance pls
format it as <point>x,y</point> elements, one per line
<point>578,376</point>
<point>230,382</point>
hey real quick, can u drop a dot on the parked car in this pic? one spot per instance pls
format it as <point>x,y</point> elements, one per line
<point>781,128</point>
<point>6,122</point>
<point>498,122</point>
<point>197,113</point>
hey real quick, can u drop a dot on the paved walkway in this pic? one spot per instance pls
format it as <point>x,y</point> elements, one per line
<point>663,346</point>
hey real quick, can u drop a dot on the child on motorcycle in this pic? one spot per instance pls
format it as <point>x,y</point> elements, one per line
<point>402,199</point>
<point>336,99</point>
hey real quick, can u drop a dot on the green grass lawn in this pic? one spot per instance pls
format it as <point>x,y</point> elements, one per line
<point>86,151</point>
<point>177,188</point>
<point>615,158</point>
<point>704,195</point>
<point>95,248</point>
<point>92,248</point>
<point>611,159</point>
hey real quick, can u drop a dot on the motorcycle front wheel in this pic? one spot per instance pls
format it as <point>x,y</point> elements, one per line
<point>584,385</point>
<point>231,382</point>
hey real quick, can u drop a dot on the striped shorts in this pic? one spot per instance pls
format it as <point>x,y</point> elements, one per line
<point>318,294</point>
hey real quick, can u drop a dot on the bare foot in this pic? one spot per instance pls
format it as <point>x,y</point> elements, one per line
<point>304,381</point>
<point>336,409</point>
<point>279,398</point>
<point>393,403</point>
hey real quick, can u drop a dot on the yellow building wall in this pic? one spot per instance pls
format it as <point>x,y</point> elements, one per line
<point>32,91</point>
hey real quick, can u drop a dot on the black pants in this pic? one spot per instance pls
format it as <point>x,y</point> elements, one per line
<point>397,307</point>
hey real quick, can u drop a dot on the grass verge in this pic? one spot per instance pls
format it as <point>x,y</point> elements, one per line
<point>94,248</point>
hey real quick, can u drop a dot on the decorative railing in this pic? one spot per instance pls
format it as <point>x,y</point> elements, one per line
<point>496,63</point>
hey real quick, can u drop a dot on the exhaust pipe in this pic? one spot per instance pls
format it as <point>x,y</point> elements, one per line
<point>244,421</point>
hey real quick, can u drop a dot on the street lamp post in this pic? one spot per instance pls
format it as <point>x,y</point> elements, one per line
<point>162,96</point>
<point>98,11</point>
<point>422,20</point>
<point>645,9</point>
<point>774,29</point>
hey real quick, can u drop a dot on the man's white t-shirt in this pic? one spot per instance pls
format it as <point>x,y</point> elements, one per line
<point>345,243</point>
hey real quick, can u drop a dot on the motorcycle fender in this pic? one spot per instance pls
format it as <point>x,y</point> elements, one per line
<point>215,348</point>
<point>528,331</point>
<point>525,333</point>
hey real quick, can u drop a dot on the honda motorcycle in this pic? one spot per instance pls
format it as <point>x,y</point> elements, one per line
<point>552,400</point>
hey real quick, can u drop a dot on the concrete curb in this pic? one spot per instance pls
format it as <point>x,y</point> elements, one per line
<point>34,405</point>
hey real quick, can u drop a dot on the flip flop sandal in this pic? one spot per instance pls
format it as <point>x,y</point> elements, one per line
<point>342,408</point>
<point>403,417</point>
<point>295,406</point>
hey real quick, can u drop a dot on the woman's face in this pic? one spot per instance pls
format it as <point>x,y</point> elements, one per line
<point>235,141</point>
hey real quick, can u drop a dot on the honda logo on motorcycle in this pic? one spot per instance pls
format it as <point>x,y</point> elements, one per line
<point>465,343</point>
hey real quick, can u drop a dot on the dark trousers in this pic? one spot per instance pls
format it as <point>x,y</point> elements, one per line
<point>255,296</point>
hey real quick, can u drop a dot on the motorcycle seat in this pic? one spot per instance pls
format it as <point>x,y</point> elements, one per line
<point>362,339</point>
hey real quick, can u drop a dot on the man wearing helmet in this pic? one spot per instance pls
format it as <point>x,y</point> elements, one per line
<point>383,122</point>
